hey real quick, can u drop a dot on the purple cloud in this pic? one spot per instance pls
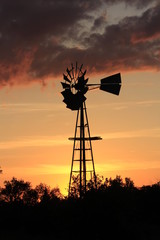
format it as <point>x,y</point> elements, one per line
<point>38,39</point>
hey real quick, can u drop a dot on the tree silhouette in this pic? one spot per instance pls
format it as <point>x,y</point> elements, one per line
<point>30,197</point>
<point>14,190</point>
<point>43,192</point>
<point>129,184</point>
<point>75,187</point>
<point>55,193</point>
<point>46,194</point>
<point>116,183</point>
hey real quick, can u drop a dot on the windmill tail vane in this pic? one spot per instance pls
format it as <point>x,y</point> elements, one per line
<point>75,86</point>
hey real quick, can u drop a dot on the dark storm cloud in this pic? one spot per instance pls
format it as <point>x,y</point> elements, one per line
<point>135,3</point>
<point>131,44</point>
<point>39,38</point>
<point>100,21</point>
<point>31,32</point>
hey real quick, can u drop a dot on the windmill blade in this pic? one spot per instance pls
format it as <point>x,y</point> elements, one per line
<point>66,78</point>
<point>81,77</point>
<point>80,67</point>
<point>81,85</point>
<point>67,70</point>
<point>74,101</point>
<point>82,81</point>
<point>76,69</point>
<point>84,73</point>
<point>72,70</point>
<point>111,84</point>
<point>86,80</point>
<point>66,93</point>
<point>65,85</point>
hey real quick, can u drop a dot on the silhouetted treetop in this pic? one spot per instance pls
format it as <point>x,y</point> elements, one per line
<point>15,190</point>
<point>22,192</point>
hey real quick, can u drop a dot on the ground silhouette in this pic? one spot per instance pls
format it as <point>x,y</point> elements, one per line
<point>116,209</point>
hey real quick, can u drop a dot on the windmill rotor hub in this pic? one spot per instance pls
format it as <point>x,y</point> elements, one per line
<point>75,87</point>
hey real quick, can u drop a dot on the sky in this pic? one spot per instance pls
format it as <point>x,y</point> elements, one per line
<point>39,39</point>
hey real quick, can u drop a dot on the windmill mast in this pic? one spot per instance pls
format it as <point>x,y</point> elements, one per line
<point>82,158</point>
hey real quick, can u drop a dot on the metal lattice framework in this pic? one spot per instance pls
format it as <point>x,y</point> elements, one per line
<point>75,87</point>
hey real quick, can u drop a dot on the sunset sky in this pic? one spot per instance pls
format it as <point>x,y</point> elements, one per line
<point>39,39</point>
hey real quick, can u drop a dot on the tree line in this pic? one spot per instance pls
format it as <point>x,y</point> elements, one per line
<point>115,208</point>
<point>21,192</point>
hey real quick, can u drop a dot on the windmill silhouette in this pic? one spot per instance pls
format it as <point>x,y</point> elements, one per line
<point>75,87</point>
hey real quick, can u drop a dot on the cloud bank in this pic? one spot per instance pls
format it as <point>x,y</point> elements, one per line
<point>39,38</point>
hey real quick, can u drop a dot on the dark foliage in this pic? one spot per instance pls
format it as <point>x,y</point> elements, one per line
<point>113,210</point>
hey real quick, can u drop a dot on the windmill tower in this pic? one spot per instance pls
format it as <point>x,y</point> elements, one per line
<point>75,87</point>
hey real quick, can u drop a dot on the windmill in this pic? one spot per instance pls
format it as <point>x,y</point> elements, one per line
<point>75,86</point>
